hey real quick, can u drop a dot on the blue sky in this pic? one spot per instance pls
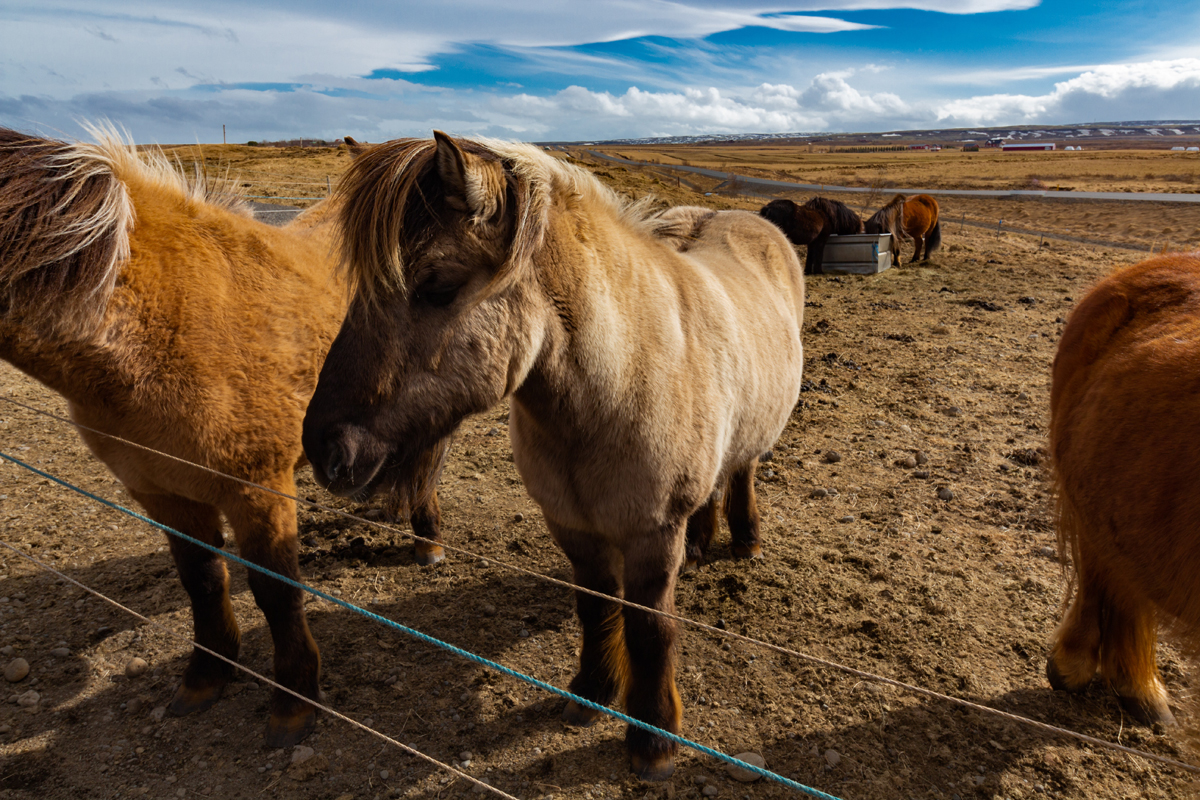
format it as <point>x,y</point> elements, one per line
<point>541,70</point>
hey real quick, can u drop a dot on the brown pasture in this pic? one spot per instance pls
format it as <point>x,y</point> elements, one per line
<point>920,379</point>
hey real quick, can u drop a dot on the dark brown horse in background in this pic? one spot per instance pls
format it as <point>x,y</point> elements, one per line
<point>922,225</point>
<point>1124,428</point>
<point>166,315</point>
<point>812,224</point>
<point>890,220</point>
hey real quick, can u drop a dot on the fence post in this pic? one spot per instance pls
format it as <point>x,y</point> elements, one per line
<point>328,186</point>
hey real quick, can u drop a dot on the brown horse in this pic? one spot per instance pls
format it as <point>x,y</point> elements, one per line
<point>922,226</point>
<point>648,361</point>
<point>812,224</point>
<point>1125,417</point>
<point>890,220</point>
<point>167,316</point>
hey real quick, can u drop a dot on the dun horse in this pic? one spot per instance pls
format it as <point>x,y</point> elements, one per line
<point>812,224</point>
<point>1125,420</point>
<point>648,360</point>
<point>167,316</point>
<point>922,225</point>
<point>890,219</point>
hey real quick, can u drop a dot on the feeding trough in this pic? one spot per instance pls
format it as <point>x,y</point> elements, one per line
<point>857,254</point>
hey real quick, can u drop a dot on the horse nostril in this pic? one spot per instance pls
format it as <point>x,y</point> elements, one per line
<point>336,465</point>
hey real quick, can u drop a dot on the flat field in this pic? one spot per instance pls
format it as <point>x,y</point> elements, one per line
<point>945,363</point>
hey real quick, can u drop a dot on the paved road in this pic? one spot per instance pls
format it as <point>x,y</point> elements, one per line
<point>274,214</point>
<point>773,185</point>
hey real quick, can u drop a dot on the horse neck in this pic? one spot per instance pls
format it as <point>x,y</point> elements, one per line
<point>591,294</point>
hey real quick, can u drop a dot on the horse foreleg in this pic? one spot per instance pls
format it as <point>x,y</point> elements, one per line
<point>741,509</point>
<point>701,526</point>
<point>651,565</point>
<point>1075,656</point>
<point>206,581</point>
<point>603,664</point>
<point>265,526</point>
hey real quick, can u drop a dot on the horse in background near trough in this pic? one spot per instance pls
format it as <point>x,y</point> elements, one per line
<point>649,361</point>
<point>167,316</point>
<point>890,220</point>
<point>1124,425</point>
<point>922,226</point>
<point>812,224</point>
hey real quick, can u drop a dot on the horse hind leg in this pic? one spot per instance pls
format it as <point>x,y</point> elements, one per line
<point>265,526</point>
<point>206,580</point>
<point>741,510</point>
<point>1075,656</point>
<point>603,663</point>
<point>1129,635</point>
<point>701,526</point>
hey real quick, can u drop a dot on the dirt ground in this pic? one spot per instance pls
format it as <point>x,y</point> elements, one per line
<point>945,364</point>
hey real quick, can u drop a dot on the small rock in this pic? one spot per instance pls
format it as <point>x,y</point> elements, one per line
<point>833,758</point>
<point>745,775</point>
<point>524,633</point>
<point>29,699</point>
<point>1049,552</point>
<point>158,713</point>
<point>819,493</point>
<point>480,787</point>
<point>922,458</point>
<point>831,457</point>
<point>518,517</point>
<point>60,652</point>
<point>710,790</point>
<point>384,774</point>
<point>302,753</point>
<point>7,650</point>
<point>1022,396</point>
<point>767,456</point>
<point>953,411</point>
<point>488,610</point>
<point>945,493</point>
<point>136,668</point>
<point>134,705</point>
<point>940,329</point>
<point>921,474</point>
<point>908,462</point>
<point>847,518</point>
<point>16,670</point>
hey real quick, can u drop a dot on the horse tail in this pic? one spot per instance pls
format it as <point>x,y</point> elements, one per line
<point>65,219</point>
<point>934,240</point>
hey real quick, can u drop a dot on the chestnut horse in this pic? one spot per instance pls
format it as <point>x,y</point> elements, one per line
<point>922,225</point>
<point>890,219</point>
<point>167,316</point>
<point>648,362</point>
<point>1124,422</point>
<point>812,224</point>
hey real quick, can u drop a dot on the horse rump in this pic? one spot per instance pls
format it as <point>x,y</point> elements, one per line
<point>1124,412</point>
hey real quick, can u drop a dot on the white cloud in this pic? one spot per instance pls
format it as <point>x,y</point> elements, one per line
<point>1146,90</point>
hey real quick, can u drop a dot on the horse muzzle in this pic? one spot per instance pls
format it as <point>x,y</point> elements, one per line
<point>345,459</point>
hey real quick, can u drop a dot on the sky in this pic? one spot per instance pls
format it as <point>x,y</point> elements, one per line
<point>540,70</point>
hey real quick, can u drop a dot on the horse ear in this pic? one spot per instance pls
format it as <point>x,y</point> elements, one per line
<point>472,184</point>
<point>355,147</point>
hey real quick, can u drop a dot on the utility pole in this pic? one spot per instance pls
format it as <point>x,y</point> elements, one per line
<point>223,134</point>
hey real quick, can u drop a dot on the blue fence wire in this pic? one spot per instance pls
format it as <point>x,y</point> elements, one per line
<point>708,751</point>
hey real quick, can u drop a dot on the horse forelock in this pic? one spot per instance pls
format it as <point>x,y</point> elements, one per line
<point>389,208</point>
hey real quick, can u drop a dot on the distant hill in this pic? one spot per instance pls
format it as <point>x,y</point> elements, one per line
<point>1154,134</point>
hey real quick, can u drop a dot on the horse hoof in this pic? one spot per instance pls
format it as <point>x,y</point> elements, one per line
<point>1060,682</point>
<point>428,556</point>
<point>288,731</point>
<point>743,551</point>
<point>190,701</point>
<point>578,715</point>
<point>1148,712</point>
<point>652,769</point>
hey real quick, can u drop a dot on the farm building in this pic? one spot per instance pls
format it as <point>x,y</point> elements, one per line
<point>1008,147</point>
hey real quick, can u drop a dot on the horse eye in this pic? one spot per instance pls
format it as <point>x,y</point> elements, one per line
<point>438,296</point>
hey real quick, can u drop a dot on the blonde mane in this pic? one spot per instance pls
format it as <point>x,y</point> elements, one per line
<point>387,211</point>
<point>65,218</point>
